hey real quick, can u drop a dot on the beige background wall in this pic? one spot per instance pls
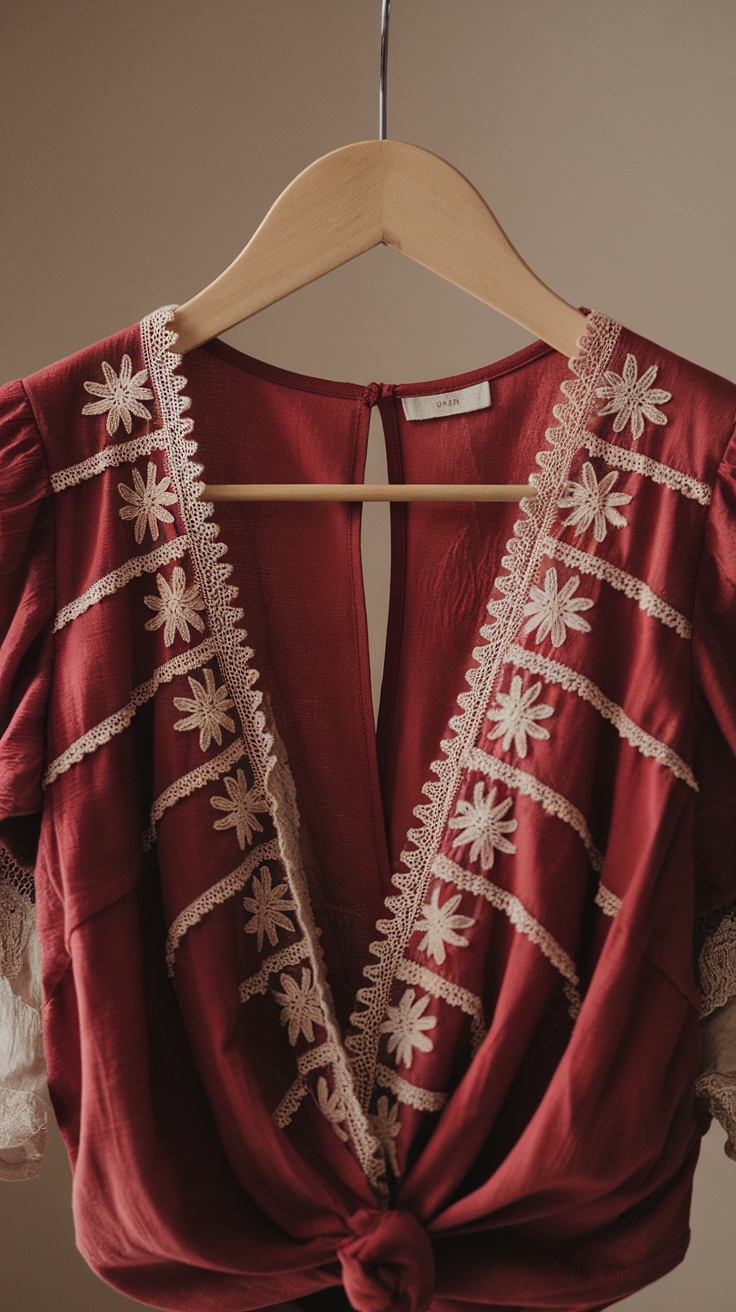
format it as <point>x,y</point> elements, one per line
<point>142,143</point>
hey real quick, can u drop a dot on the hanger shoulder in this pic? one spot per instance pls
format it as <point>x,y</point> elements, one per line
<point>356,197</point>
<point>434,214</point>
<point>328,214</point>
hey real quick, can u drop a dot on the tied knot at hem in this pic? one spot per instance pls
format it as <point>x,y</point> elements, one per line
<point>388,1264</point>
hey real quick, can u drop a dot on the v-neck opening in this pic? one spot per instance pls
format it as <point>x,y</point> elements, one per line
<point>353,1055</point>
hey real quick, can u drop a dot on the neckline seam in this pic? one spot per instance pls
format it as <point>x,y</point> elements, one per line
<point>296,381</point>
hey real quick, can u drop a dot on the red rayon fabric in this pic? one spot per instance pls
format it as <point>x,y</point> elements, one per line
<point>523,1130</point>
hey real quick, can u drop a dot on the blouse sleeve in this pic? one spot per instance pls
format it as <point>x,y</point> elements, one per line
<point>714,691</point>
<point>27,608</point>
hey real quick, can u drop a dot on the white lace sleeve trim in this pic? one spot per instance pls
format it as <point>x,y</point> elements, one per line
<point>717,965</point>
<point>24,1097</point>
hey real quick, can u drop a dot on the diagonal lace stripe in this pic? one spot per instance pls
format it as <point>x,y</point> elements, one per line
<point>572,681</point>
<point>633,587</point>
<point>552,802</point>
<point>634,462</point>
<point>119,720</point>
<point>423,1100</point>
<point>188,783</point>
<point>214,896</point>
<point>117,578</point>
<point>411,972</point>
<point>608,902</point>
<point>522,920</point>
<point>321,1055</point>
<point>120,454</point>
<point>295,1094</point>
<point>288,956</point>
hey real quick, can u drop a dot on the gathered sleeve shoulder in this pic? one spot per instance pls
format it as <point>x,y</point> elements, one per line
<point>714,695</point>
<point>27,609</point>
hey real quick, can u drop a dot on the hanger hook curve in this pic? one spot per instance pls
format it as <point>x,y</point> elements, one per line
<point>385,14</point>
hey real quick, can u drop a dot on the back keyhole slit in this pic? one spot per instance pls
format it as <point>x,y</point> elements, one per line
<point>375,551</point>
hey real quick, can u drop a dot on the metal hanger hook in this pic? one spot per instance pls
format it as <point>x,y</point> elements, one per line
<point>385,13</point>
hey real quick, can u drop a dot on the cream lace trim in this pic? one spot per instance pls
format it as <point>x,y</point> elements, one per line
<point>717,967</point>
<point>411,972</point>
<point>634,461</point>
<point>552,802</point>
<point>118,578</point>
<point>521,919</point>
<point>573,681</point>
<point>525,549</point>
<point>294,1096</point>
<point>270,769</point>
<point>119,454</point>
<point>717,1091</point>
<point>633,587</point>
<point>188,783</point>
<point>607,901</point>
<point>17,923</point>
<point>214,896</point>
<point>119,720</point>
<point>288,956</point>
<point>423,1100</point>
<point>321,1056</point>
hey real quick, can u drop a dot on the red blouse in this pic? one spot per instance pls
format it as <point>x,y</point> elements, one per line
<point>432,1016</point>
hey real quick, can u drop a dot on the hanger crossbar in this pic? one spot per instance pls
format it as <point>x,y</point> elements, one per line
<point>367,491</point>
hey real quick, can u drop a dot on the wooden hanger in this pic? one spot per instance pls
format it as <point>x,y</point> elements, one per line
<point>347,202</point>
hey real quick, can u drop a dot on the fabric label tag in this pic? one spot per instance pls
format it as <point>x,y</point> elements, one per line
<point>476,397</point>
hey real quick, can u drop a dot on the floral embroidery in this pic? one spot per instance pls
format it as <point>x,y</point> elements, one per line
<point>406,1024</point>
<point>147,502</point>
<point>268,906</point>
<point>176,607</point>
<point>385,1124</point>
<point>206,707</point>
<point>120,396</point>
<point>551,611</point>
<point>594,501</point>
<point>299,1004</point>
<point>241,804</point>
<point>518,717</point>
<point>440,925</point>
<point>631,397</point>
<point>331,1106</point>
<point>481,824</point>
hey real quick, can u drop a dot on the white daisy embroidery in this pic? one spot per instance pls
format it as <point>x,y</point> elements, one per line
<point>385,1124</point>
<point>120,397</point>
<point>440,924</point>
<point>331,1106</point>
<point>481,824</point>
<point>268,906</point>
<point>241,805</point>
<point>594,502</point>
<point>148,502</point>
<point>300,1008</point>
<point>554,612</point>
<point>206,706</point>
<point>176,607</point>
<point>406,1026</point>
<point>518,717</point>
<point>631,397</point>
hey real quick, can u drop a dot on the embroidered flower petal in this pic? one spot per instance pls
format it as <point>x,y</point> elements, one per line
<point>630,398</point>
<point>481,825</point>
<point>406,1025</point>
<point>120,396</point>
